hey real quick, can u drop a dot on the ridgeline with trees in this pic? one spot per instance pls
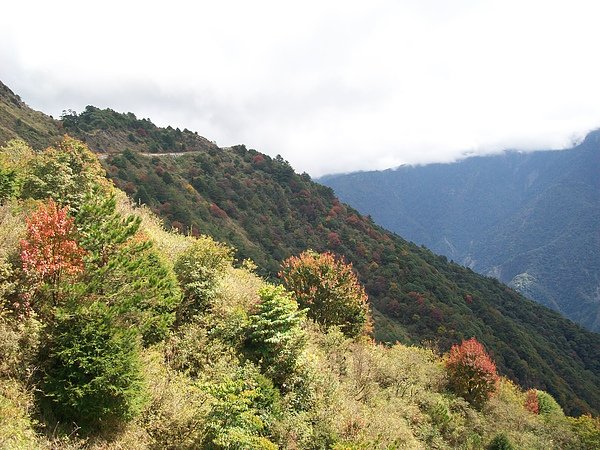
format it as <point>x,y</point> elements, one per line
<point>119,332</point>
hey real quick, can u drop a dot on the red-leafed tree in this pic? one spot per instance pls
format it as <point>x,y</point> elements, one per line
<point>532,403</point>
<point>330,290</point>
<point>49,251</point>
<point>471,372</point>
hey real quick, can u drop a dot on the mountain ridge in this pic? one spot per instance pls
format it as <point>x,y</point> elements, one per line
<point>266,210</point>
<point>503,215</point>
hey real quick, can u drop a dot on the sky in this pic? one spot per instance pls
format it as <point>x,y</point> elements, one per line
<point>332,86</point>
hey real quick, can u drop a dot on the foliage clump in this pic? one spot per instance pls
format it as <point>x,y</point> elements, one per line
<point>275,336</point>
<point>198,270</point>
<point>93,376</point>
<point>471,372</point>
<point>329,289</point>
<point>50,252</point>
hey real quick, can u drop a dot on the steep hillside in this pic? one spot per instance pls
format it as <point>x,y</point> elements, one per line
<point>268,212</point>
<point>118,334</point>
<point>531,220</point>
<point>18,120</point>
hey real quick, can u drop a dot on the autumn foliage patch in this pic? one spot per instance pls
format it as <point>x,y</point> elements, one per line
<point>329,289</point>
<point>49,251</point>
<point>471,372</point>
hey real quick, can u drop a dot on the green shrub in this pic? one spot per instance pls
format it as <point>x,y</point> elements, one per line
<point>65,173</point>
<point>198,270</point>
<point>500,442</point>
<point>239,407</point>
<point>275,336</point>
<point>146,294</point>
<point>547,405</point>
<point>93,376</point>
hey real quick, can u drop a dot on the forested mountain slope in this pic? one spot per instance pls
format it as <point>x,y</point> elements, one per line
<point>268,212</point>
<point>530,219</point>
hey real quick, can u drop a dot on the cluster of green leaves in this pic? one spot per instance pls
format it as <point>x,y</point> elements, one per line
<point>198,270</point>
<point>93,374</point>
<point>275,337</point>
<point>258,205</point>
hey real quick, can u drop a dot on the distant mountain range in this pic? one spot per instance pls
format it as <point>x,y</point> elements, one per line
<point>259,205</point>
<point>532,220</point>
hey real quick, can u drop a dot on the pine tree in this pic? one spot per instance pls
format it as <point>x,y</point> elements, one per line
<point>275,335</point>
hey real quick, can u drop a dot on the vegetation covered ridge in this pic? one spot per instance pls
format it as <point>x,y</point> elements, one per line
<point>529,219</point>
<point>260,206</point>
<point>117,333</point>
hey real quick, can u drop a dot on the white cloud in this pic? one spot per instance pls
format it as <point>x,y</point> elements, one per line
<point>330,85</point>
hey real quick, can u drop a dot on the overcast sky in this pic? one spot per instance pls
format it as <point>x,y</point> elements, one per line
<point>332,86</point>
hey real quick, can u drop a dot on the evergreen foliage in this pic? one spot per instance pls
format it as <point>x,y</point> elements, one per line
<point>198,269</point>
<point>500,442</point>
<point>93,375</point>
<point>275,336</point>
<point>123,268</point>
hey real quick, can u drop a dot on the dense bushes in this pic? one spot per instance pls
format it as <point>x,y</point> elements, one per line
<point>242,368</point>
<point>198,269</point>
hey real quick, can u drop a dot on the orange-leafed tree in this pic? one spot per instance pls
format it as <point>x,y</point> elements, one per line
<point>471,372</point>
<point>49,252</point>
<point>329,289</point>
<point>532,403</point>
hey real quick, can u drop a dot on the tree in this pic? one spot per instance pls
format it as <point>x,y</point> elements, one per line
<point>275,336</point>
<point>49,251</point>
<point>329,289</point>
<point>532,403</point>
<point>102,229</point>
<point>471,372</point>
<point>66,173</point>
<point>123,268</point>
<point>94,373</point>
<point>198,269</point>
<point>239,405</point>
